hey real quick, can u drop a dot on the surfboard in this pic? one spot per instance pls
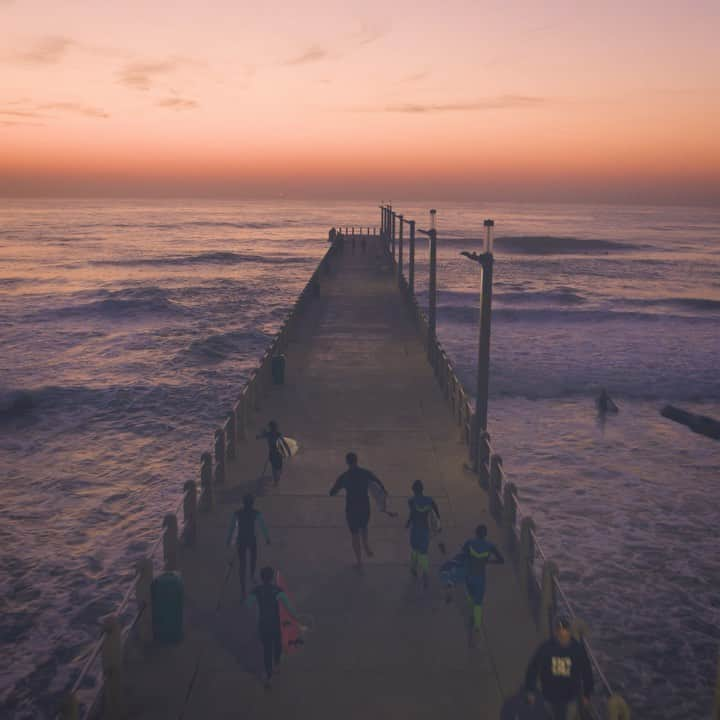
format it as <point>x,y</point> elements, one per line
<point>292,445</point>
<point>452,572</point>
<point>292,639</point>
<point>380,497</point>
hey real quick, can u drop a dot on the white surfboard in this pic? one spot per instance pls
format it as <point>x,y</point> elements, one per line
<point>292,445</point>
<point>381,499</point>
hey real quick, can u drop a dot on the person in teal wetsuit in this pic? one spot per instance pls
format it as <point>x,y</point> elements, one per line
<point>421,508</point>
<point>477,553</point>
<point>469,566</point>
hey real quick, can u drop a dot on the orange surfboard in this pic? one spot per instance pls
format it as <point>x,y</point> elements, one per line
<point>292,640</point>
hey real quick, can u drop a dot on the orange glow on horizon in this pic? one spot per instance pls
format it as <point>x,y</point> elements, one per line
<point>583,105</point>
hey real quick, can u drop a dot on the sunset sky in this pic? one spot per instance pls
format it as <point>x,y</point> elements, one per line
<point>459,99</point>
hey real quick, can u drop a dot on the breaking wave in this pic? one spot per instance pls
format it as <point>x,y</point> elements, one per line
<point>220,258</point>
<point>125,304</point>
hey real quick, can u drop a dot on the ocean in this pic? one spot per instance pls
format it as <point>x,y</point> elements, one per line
<point>128,327</point>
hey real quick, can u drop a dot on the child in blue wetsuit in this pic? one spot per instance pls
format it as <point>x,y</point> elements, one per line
<point>421,509</point>
<point>469,565</point>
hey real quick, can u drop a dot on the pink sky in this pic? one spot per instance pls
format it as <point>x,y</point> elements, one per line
<point>456,99</point>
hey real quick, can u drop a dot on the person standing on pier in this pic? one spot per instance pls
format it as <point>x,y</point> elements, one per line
<point>422,509</point>
<point>563,667</point>
<point>267,598</point>
<point>356,482</point>
<point>247,521</point>
<point>274,440</point>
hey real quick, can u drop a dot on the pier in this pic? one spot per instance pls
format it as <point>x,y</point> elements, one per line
<point>363,372</point>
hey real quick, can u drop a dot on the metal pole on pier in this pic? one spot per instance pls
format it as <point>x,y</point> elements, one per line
<point>400,251</point>
<point>432,289</point>
<point>392,233</point>
<point>411,260</point>
<point>485,260</point>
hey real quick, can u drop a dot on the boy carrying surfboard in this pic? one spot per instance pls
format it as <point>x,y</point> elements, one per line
<point>277,449</point>
<point>272,603</point>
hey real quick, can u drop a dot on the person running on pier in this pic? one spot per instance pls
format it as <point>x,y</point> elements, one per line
<point>563,668</point>
<point>247,521</point>
<point>356,482</point>
<point>478,553</point>
<point>274,440</point>
<point>469,566</point>
<point>419,522</point>
<point>266,597</point>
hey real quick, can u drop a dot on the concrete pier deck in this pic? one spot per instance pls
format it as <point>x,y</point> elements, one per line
<point>357,379</point>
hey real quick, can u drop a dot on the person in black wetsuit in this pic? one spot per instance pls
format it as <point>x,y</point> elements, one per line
<point>605,404</point>
<point>274,440</point>
<point>266,598</point>
<point>246,521</point>
<point>563,667</point>
<point>356,482</point>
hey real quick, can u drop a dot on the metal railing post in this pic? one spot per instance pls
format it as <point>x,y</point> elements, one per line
<point>432,291</point>
<point>411,260</point>
<point>400,251</point>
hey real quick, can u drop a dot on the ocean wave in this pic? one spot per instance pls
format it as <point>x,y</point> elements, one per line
<point>220,346</point>
<point>10,282</point>
<point>219,257</point>
<point>470,315</point>
<point>558,296</point>
<point>125,304</point>
<point>190,224</point>
<point>683,303</point>
<point>550,245</point>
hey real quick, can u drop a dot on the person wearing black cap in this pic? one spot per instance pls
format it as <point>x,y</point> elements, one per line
<point>563,668</point>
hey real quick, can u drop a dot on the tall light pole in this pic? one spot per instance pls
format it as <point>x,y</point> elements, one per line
<point>432,288</point>
<point>485,260</point>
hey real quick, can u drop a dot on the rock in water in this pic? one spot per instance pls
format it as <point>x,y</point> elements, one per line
<point>701,424</point>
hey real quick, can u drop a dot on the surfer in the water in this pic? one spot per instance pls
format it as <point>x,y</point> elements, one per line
<point>419,521</point>
<point>274,440</point>
<point>247,521</point>
<point>356,482</point>
<point>605,404</point>
<point>267,597</point>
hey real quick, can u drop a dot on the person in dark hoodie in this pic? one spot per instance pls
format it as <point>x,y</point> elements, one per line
<point>563,668</point>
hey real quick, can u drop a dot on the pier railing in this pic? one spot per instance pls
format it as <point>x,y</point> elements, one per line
<point>86,699</point>
<point>540,581</point>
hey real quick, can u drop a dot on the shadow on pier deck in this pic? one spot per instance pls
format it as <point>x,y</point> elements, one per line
<point>357,379</point>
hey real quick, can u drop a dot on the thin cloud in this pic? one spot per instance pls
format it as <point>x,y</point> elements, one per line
<point>76,108</point>
<point>368,35</point>
<point>142,75</point>
<point>46,51</point>
<point>312,54</point>
<point>178,103</point>
<point>19,123</point>
<point>26,109</point>
<point>502,102</point>
<point>413,78</point>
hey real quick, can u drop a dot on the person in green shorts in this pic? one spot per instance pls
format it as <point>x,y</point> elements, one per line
<point>421,508</point>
